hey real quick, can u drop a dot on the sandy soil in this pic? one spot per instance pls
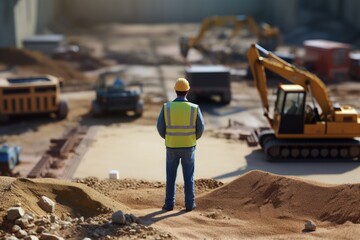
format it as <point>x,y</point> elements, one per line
<point>257,205</point>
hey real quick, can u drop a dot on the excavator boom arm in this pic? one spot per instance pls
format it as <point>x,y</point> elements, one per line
<point>238,23</point>
<point>310,82</point>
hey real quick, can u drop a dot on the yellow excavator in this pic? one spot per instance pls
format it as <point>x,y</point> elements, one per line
<point>267,35</point>
<point>300,127</point>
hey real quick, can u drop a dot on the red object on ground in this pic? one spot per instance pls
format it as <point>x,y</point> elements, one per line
<point>328,59</point>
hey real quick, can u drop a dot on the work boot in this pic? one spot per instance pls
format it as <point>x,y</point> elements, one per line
<point>190,209</point>
<point>166,208</point>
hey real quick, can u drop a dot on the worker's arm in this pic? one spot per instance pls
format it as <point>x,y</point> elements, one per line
<point>200,125</point>
<point>161,124</point>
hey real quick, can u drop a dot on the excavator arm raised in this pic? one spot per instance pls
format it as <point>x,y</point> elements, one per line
<point>238,22</point>
<point>310,82</point>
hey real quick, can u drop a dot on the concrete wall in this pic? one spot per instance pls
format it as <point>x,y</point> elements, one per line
<point>25,12</point>
<point>18,20</point>
<point>48,14</point>
<point>351,12</point>
<point>154,11</point>
<point>22,18</point>
<point>281,13</point>
<point>7,23</point>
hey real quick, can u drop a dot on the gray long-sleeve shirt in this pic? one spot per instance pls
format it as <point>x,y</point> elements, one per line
<point>161,125</point>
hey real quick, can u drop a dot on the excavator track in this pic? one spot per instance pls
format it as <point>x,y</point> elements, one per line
<point>310,148</point>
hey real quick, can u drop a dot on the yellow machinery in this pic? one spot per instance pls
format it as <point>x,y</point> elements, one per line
<point>31,95</point>
<point>298,128</point>
<point>266,34</point>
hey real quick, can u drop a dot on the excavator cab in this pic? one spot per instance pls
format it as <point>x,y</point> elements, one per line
<point>289,114</point>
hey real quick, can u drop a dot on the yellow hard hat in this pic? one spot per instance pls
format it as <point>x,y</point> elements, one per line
<point>182,85</point>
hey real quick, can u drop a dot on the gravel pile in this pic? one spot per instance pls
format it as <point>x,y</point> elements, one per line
<point>20,224</point>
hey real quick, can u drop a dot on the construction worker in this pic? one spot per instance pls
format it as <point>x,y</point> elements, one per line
<point>180,123</point>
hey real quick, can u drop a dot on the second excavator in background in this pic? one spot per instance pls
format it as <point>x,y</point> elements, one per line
<point>301,127</point>
<point>267,35</point>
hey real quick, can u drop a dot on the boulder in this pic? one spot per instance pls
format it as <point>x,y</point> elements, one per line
<point>47,204</point>
<point>14,213</point>
<point>118,217</point>
<point>310,225</point>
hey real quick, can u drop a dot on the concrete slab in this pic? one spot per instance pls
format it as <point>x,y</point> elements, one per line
<point>146,155</point>
<point>219,159</point>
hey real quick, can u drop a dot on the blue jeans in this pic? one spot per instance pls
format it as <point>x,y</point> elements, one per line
<point>173,156</point>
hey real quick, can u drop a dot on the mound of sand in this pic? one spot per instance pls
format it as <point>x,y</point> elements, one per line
<point>71,198</point>
<point>256,205</point>
<point>33,62</point>
<point>262,194</point>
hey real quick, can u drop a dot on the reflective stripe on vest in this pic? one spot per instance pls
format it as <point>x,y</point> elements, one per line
<point>180,120</point>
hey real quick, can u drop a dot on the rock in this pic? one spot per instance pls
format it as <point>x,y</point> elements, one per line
<point>14,213</point>
<point>47,204</point>
<point>15,228</point>
<point>11,238</point>
<point>40,229</point>
<point>81,220</point>
<point>118,217</point>
<point>310,225</point>
<point>42,222</point>
<point>29,217</point>
<point>31,237</point>
<point>65,224</point>
<point>22,222</point>
<point>48,236</point>
<point>54,227</point>
<point>21,234</point>
<point>52,218</point>
<point>30,225</point>
<point>32,232</point>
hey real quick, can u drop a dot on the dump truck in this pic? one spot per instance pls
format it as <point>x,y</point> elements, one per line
<point>112,95</point>
<point>31,95</point>
<point>9,158</point>
<point>208,81</point>
<point>305,123</point>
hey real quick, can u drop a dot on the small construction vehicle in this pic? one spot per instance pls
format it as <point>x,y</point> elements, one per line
<point>31,95</point>
<point>113,96</point>
<point>9,158</point>
<point>208,81</point>
<point>300,127</point>
<point>267,35</point>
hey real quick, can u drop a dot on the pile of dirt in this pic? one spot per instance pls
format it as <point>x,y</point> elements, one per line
<point>72,198</point>
<point>33,62</point>
<point>79,212</point>
<point>257,204</point>
<point>261,194</point>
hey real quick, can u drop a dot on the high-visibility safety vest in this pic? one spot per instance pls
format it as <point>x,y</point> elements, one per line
<point>180,120</point>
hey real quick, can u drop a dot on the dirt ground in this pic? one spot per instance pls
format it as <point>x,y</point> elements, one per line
<point>256,205</point>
